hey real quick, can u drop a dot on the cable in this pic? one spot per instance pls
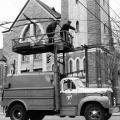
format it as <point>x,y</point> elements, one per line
<point>50,18</point>
<point>118,5</point>
<point>108,44</point>
<point>95,16</point>
<point>111,9</point>
<point>107,13</point>
<point>37,22</point>
<point>58,32</point>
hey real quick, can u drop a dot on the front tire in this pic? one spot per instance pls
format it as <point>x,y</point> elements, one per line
<point>18,112</point>
<point>36,117</point>
<point>107,116</point>
<point>94,112</point>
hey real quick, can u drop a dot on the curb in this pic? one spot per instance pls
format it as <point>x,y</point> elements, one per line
<point>116,114</point>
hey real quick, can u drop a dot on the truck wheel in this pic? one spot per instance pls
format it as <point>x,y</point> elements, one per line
<point>94,112</point>
<point>36,117</point>
<point>18,112</point>
<point>107,116</point>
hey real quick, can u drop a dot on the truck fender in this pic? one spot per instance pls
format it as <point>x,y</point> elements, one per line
<point>17,101</point>
<point>103,100</point>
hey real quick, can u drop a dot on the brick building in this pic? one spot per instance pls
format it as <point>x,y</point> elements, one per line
<point>89,17</point>
<point>22,28</point>
<point>3,67</point>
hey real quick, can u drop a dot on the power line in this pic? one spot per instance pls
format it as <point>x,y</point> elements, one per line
<point>96,17</point>
<point>4,23</point>
<point>50,18</point>
<point>112,9</point>
<point>88,33</point>
<point>107,13</point>
<point>118,5</point>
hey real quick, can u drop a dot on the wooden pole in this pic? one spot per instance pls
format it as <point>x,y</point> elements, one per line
<point>56,80</point>
<point>63,63</point>
<point>86,65</point>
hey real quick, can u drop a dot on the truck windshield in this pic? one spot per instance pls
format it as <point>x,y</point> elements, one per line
<point>79,83</point>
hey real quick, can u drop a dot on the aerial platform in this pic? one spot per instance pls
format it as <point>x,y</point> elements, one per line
<point>41,46</point>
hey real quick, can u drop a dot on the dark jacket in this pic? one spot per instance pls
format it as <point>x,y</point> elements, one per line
<point>51,27</point>
<point>66,27</point>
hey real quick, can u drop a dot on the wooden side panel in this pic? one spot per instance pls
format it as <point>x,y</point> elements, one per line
<point>68,111</point>
<point>41,98</point>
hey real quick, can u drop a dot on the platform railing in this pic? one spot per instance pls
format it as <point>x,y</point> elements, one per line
<point>43,39</point>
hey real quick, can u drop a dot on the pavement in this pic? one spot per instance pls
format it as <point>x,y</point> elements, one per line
<point>116,114</point>
<point>114,117</point>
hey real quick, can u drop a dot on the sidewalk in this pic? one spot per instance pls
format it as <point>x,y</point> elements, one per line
<point>116,114</point>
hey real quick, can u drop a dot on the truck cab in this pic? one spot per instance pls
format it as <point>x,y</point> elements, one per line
<point>76,99</point>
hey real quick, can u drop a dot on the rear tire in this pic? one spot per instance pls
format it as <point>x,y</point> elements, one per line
<point>94,112</point>
<point>18,112</point>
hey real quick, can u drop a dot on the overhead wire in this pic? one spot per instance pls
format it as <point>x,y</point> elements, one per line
<point>116,2</point>
<point>107,13</point>
<point>50,18</point>
<point>84,32</point>
<point>108,16</point>
<point>112,9</point>
<point>96,17</point>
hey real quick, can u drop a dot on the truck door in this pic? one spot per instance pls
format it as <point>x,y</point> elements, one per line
<point>69,97</point>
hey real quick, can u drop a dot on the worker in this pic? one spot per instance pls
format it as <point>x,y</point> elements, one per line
<point>51,30</point>
<point>65,29</point>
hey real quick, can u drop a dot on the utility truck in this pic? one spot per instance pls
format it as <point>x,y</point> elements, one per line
<point>34,95</point>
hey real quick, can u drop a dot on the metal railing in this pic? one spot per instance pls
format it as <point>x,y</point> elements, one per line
<point>43,39</point>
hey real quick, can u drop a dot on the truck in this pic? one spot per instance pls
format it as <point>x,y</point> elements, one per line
<point>34,95</point>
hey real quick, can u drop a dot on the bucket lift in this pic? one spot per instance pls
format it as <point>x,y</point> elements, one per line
<point>28,45</point>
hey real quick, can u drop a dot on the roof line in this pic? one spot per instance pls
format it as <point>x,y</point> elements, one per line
<point>17,17</point>
<point>44,6</point>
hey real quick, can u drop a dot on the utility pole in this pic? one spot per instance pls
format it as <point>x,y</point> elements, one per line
<point>63,63</point>
<point>86,65</point>
<point>56,80</point>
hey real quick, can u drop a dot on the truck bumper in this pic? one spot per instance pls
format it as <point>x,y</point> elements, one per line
<point>114,110</point>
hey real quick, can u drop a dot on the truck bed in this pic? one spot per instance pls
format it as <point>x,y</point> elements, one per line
<point>35,90</point>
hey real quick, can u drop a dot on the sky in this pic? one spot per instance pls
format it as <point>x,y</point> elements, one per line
<point>9,9</point>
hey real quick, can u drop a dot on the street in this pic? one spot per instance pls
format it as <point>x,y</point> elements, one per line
<point>114,117</point>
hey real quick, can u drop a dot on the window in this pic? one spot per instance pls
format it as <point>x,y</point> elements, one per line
<point>71,64</point>
<point>36,56</point>
<point>26,33</point>
<point>37,70</point>
<point>68,84</point>
<point>23,58</point>
<point>105,28</point>
<point>53,67</point>
<point>84,65</point>
<point>77,26</point>
<point>77,65</point>
<point>25,71</point>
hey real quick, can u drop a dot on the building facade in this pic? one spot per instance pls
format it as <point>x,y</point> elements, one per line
<point>22,29</point>
<point>92,23</point>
